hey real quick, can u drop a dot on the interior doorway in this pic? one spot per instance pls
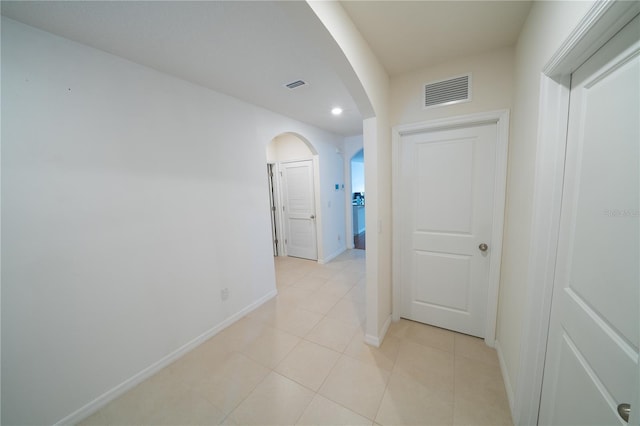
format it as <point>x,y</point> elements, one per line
<point>272,206</point>
<point>358,200</point>
<point>435,207</point>
<point>293,195</point>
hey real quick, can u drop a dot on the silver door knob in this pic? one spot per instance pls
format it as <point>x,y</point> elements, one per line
<point>624,410</point>
<point>483,247</point>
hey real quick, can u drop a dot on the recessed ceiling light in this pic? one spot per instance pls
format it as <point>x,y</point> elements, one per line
<point>336,111</point>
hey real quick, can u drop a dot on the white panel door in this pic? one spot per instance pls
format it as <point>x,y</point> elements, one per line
<point>299,209</point>
<point>447,180</point>
<point>592,353</point>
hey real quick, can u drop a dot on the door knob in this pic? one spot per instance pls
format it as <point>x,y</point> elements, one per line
<point>313,216</point>
<point>483,247</point>
<point>624,410</point>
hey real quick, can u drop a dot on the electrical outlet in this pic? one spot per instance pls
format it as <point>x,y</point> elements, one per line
<point>224,294</point>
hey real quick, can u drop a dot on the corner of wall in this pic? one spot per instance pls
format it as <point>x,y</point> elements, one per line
<point>505,378</point>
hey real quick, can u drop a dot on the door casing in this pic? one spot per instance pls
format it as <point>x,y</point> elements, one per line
<point>501,119</point>
<point>603,20</point>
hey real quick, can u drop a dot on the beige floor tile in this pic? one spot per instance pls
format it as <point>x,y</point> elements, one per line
<point>475,348</point>
<point>480,396</point>
<point>310,282</point>
<point>275,401</point>
<point>230,382</point>
<point>139,404</point>
<point>338,264</point>
<point>193,366</point>
<point>355,265</point>
<point>332,333</point>
<point>399,328</point>
<point>292,297</point>
<point>349,311</point>
<point>407,402</point>
<point>383,357</point>
<point>471,412</point>
<point>348,276</point>
<point>188,409</point>
<point>286,317</point>
<point>238,335</point>
<point>321,271</point>
<point>357,293</point>
<point>290,275</point>
<point>322,411</point>
<point>434,337</point>
<point>308,364</point>
<point>320,302</point>
<point>356,385</point>
<point>270,347</point>
<point>268,311</point>
<point>479,381</point>
<point>297,321</point>
<point>337,289</point>
<point>228,421</point>
<point>431,367</point>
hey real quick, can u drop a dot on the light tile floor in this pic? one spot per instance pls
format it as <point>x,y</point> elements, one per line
<point>300,359</point>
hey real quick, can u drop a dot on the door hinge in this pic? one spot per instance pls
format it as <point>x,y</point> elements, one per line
<point>273,208</point>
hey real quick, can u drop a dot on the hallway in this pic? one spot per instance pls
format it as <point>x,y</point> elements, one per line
<point>300,359</point>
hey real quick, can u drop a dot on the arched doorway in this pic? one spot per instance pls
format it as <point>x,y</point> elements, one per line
<point>291,172</point>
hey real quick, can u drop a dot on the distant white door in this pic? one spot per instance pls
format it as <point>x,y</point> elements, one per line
<point>592,353</point>
<point>447,185</point>
<point>299,209</point>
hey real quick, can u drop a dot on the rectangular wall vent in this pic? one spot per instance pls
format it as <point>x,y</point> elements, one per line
<point>447,92</point>
<point>295,84</point>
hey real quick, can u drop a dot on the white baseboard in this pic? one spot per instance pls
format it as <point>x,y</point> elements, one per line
<point>377,340</point>
<point>505,377</point>
<point>135,380</point>
<point>332,256</point>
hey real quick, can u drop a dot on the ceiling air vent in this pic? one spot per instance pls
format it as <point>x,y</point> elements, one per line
<point>447,92</point>
<point>295,84</point>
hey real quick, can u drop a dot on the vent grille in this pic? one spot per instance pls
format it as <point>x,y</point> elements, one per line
<point>295,84</point>
<point>447,92</point>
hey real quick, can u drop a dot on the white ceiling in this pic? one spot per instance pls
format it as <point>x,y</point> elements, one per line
<point>249,50</point>
<point>412,35</point>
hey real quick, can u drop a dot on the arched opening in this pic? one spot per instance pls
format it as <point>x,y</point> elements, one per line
<point>292,165</point>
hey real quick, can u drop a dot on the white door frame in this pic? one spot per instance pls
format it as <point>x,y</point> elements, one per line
<point>501,119</point>
<point>603,20</point>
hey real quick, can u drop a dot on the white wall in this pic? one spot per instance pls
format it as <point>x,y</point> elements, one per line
<point>287,147</point>
<point>492,87</point>
<point>128,201</point>
<point>547,26</point>
<point>329,202</point>
<point>377,144</point>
